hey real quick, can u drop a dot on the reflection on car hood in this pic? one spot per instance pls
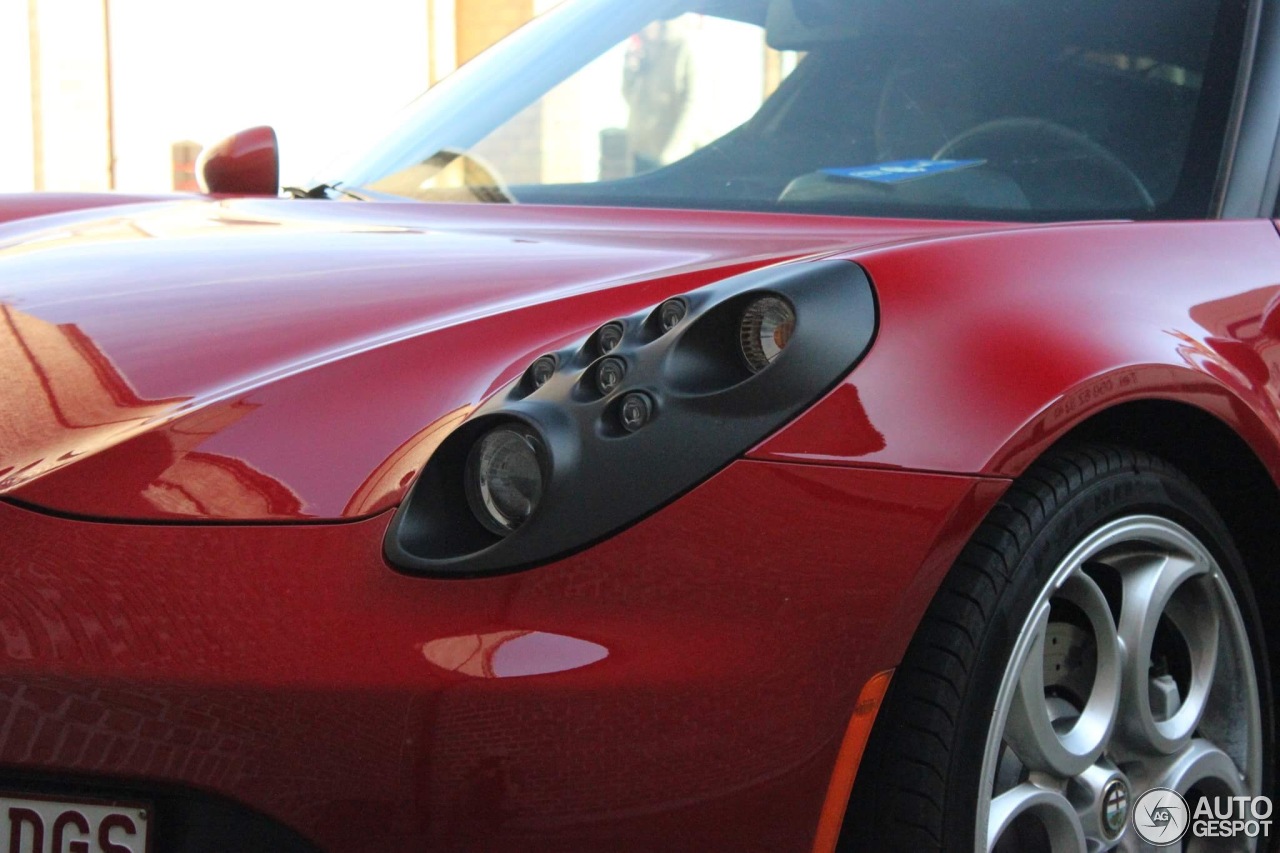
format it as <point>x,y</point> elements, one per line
<point>298,360</point>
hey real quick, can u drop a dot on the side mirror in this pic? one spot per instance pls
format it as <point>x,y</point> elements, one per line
<point>247,163</point>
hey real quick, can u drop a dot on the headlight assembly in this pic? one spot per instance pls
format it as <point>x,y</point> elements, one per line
<point>608,338</point>
<point>670,313</point>
<point>596,436</point>
<point>634,411</point>
<point>767,327</point>
<point>609,375</point>
<point>504,478</point>
<point>541,371</point>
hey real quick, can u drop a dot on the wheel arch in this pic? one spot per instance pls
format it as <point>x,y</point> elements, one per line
<point>1216,458</point>
<point>1225,467</point>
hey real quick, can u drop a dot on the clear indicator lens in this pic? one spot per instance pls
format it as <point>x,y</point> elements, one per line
<point>542,371</point>
<point>609,337</point>
<point>671,313</point>
<point>767,327</point>
<point>609,375</point>
<point>635,412</point>
<point>504,478</point>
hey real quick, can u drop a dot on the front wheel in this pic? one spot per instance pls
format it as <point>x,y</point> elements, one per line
<point>1097,640</point>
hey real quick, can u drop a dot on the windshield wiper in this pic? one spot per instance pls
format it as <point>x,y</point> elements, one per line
<point>323,191</point>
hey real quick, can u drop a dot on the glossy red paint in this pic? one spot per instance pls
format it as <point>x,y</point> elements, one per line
<point>296,360</point>
<point>1006,341</point>
<point>246,163</point>
<point>128,651</point>
<point>30,205</point>
<point>1271,319</point>
<point>287,361</point>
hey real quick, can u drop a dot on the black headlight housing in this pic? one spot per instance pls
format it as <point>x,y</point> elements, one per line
<point>685,393</point>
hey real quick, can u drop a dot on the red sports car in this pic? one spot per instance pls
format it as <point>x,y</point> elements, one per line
<point>707,425</point>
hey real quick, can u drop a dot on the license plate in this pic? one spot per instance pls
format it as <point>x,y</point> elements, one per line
<point>54,825</point>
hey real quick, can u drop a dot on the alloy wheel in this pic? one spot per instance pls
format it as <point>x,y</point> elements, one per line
<point>1131,672</point>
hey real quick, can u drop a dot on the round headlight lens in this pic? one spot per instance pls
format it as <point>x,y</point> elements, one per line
<point>671,313</point>
<point>635,412</point>
<point>504,478</point>
<point>609,337</point>
<point>767,327</point>
<point>542,371</point>
<point>609,375</point>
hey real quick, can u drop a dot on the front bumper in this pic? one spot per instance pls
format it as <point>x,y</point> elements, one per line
<point>683,685</point>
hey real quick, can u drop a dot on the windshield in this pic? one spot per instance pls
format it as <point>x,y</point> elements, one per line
<point>965,109</point>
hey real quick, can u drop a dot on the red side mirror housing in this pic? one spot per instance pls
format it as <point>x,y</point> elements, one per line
<point>247,163</point>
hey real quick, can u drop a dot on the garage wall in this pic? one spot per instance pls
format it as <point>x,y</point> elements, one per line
<point>317,72</point>
<point>16,156</point>
<point>67,85</point>
<point>198,70</point>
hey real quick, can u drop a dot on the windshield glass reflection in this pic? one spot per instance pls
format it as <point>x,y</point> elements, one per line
<point>981,109</point>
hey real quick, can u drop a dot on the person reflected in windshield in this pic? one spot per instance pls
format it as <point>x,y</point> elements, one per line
<point>657,81</point>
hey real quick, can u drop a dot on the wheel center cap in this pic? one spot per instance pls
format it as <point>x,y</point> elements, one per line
<point>1115,806</point>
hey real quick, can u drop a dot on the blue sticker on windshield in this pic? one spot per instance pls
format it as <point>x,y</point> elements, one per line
<point>901,171</point>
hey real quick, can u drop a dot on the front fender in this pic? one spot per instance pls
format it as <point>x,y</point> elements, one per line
<point>993,347</point>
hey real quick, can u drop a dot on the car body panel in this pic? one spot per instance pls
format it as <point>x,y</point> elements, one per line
<point>206,431</point>
<point>185,363</point>
<point>191,388</point>
<point>436,725</point>
<point>1015,338</point>
<point>129,651</point>
<point>20,206</point>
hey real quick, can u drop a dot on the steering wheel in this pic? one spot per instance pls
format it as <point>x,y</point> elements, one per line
<point>1007,138</point>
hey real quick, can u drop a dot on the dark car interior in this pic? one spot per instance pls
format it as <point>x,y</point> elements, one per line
<point>1074,109</point>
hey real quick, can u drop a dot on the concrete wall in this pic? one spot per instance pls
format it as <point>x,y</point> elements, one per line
<point>320,73</point>
<point>317,72</point>
<point>16,161</point>
<point>68,95</point>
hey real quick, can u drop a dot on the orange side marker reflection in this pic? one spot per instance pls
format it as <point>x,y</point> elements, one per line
<point>855,741</point>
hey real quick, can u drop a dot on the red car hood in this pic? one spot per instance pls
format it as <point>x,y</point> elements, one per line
<point>291,360</point>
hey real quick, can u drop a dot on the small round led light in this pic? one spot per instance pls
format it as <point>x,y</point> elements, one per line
<point>609,337</point>
<point>609,375</point>
<point>671,313</point>
<point>635,412</point>
<point>542,371</point>
<point>767,327</point>
<point>504,478</point>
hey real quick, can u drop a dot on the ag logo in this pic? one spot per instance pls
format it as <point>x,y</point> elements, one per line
<point>1161,817</point>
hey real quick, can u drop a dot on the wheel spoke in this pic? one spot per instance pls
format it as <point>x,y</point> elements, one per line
<point>1204,767</point>
<point>1066,747</point>
<point>1199,764</point>
<point>1168,597</point>
<point>1051,810</point>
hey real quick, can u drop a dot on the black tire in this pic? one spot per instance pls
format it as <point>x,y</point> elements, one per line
<point>919,787</point>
